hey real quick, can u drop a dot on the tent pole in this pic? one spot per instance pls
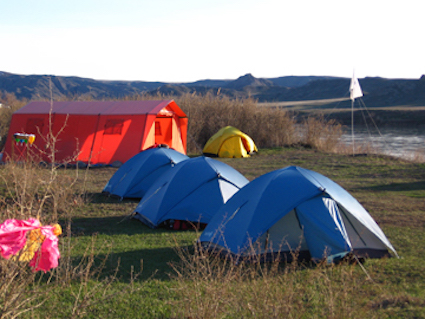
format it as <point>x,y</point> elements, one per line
<point>352,123</point>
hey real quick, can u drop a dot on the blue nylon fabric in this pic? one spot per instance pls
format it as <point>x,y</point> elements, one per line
<point>190,191</point>
<point>343,198</point>
<point>324,233</point>
<point>135,176</point>
<point>256,207</point>
<point>265,200</point>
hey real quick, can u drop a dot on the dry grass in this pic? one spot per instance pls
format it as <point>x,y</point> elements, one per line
<point>49,193</point>
<point>204,286</point>
<point>321,134</point>
<point>211,287</point>
<point>10,105</point>
<point>268,127</point>
<point>16,279</point>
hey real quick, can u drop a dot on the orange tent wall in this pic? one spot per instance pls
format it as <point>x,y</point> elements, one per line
<point>75,134</point>
<point>88,137</point>
<point>183,121</point>
<point>19,123</point>
<point>149,137</point>
<point>109,148</point>
<point>167,130</point>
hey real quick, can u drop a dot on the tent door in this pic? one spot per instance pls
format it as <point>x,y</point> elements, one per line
<point>285,235</point>
<point>167,131</point>
<point>324,229</point>
<point>163,130</point>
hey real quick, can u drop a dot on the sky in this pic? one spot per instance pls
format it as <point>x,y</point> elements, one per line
<point>189,40</point>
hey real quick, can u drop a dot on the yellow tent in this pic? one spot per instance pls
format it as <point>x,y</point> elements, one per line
<point>230,142</point>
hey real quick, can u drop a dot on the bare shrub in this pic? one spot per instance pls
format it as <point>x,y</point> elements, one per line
<point>10,104</point>
<point>49,193</point>
<point>268,127</point>
<point>417,157</point>
<point>273,127</point>
<point>321,134</point>
<point>208,286</point>
<point>29,190</point>
<point>16,281</point>
<point>86,279</point>
<point>359,148</point>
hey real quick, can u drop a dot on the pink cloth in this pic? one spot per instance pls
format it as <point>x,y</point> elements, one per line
<point>47,257</point>
<point>13,238</point>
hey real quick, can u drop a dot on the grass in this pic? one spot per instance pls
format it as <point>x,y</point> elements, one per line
<point>392,190</point>
<point>116,267</point>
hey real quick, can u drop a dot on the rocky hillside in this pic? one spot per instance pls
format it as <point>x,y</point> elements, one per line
<point>377,91</point>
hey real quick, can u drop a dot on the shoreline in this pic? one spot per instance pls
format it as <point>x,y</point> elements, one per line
<point>394,117</point>
<point>401,116</point>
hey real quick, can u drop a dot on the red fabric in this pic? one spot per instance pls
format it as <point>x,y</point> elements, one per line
<point>85,133</point>
<point>176,225</point>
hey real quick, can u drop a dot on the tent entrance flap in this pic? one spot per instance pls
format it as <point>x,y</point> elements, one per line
<point>163,130</point>
<point>324,229</point>
<point>167,131</point>
<point>360,236</point>
<point>232,147</point>
<point>285,235</point>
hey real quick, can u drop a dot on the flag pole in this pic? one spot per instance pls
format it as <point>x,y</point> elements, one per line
<point>352,123</point>
<point>355,92</point>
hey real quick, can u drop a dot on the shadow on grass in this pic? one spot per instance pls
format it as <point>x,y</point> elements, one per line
<point>155,260</point>
<point>96,198</point>
<point>397,187</point>
<point>115,225</point>
<point>147,263</point>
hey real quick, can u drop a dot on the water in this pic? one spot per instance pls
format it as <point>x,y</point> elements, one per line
<point>399,142</point>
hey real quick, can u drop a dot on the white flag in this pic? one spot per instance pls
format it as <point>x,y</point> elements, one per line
<point>355,89</point>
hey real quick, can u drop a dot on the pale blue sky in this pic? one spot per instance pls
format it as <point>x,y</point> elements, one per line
<point>189,40</point>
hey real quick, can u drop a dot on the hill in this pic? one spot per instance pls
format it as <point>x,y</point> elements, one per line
<point>377,91</point>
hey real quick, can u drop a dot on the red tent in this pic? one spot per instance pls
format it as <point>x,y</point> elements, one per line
<point>98,132</point>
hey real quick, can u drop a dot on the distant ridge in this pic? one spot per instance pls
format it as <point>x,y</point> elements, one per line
<point>377,91</point>
<point>248,80</point>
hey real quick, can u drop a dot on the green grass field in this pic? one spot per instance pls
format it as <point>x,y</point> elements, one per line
<point>145,285</point>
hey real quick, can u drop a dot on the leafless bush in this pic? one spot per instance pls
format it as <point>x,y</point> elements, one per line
<point>210,286</point>
<point>322,134</point>
<point>49,193</point>
<point>10,104</point>
<point>268,127</point>
<point>19,292</point>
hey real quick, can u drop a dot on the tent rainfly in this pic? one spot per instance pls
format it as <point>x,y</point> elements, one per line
<point>96,132</point>
<point>192,191</point>
<point>230,142</point>
<point>295,210</point>
<point>134,178</point>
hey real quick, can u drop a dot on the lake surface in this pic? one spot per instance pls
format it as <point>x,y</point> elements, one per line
<point>399,142</point>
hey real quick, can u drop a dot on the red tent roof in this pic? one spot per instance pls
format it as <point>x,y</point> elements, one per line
<point>101,107</point>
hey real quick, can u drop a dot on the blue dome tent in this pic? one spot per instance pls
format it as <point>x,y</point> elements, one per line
<point>135,176</point>
<point>193,191</point>
<point>295,210</point>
